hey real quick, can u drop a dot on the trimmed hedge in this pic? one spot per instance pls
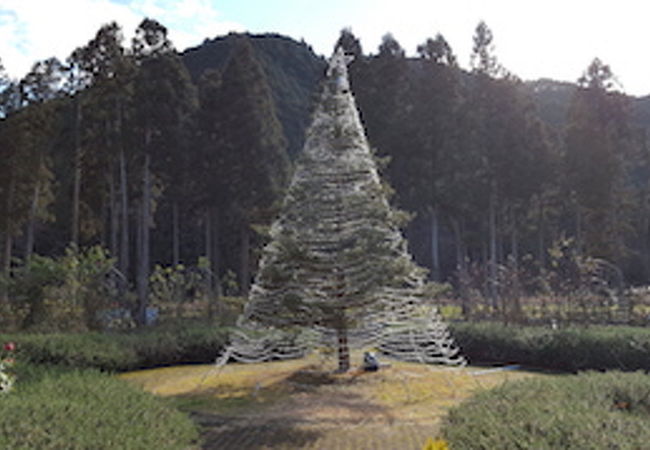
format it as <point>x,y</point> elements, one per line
<point>154,346</point>
<point>89,409</point>
<point>569,349</point>
<point>585,411</point>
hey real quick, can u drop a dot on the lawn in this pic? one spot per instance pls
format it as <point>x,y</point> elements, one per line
<point>303,404</point>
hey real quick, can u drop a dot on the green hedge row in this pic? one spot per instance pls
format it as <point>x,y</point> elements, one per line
<point>153,346</point>
<point>56,409</point>
<point>570,349</point>
<point>585,411</point>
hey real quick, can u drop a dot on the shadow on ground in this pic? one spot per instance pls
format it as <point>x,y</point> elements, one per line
<point>241,433</point>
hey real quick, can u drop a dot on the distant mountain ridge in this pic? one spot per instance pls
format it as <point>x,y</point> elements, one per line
<point>552,99</point>
<point>292,68</point>
<point>294,71</point>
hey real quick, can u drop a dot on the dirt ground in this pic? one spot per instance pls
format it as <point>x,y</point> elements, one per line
<point>302,404</point>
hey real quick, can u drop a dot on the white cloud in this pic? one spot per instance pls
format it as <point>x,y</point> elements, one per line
<point>189,21</point>
<point>32,30</point>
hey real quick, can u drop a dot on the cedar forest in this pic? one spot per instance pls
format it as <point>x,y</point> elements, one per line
<point>140,164</point>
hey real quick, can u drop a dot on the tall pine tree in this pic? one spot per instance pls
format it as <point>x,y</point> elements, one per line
<point>256,164</point>
<point>337,261</point>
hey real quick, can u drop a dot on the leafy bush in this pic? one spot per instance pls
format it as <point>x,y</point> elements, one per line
<point>63,293</point>
<point>81,410</point>
<point>570,349</point>
<point>78,350</point>
<point>174,343</point>
<point>153,346</point>
<point>587,411</point>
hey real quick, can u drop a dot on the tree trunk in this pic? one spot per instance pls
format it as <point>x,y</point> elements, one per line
<point>435,244</point>
<point>208,237</point>
<point>145,220</point>
<point>124,255</point>
<point>31,223</point>
<point>124,219</point>
<point>514,239</point>
<point>6,264</point>
<point>244,259</point>
<point>8,241</point>
<point>579,240</point>
<point>212,253</point>
<point>541,244</point>
<point>492,261</point>
<point>176,246</point>
<point>646,239</point>
<point>114,214</point>
<point>209,282</point>
<point>76,189</point>
<point>215,262</point>
<point>461,267</point>
<point>343,348</point>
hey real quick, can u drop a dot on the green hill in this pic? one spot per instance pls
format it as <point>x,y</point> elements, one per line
<point>292,68</point>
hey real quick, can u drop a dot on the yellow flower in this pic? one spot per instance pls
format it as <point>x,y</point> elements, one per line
<point>438,444</point>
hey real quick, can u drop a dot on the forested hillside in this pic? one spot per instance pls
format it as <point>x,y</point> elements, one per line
<point>173,164</point>
<point>292,69</point>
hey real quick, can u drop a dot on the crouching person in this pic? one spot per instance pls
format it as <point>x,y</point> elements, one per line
<point>370,362</point>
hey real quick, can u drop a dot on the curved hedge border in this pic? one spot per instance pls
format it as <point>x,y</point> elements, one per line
<point>586,411</point>
<point>89,409</point>
<point>570,349</point>
<point>149,347</point>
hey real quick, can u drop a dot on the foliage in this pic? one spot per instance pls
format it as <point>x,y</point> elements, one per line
<point>493,170</point>
<point>572,288</point>
<point>174,285</point>
<point>7,361</point>
<point>567,349</point>
<point>293,72</point>
<point>337,260</point>
<point>64,293</point>
<point>588,411</point>
<point>183,342</point>
<point>79,410</point>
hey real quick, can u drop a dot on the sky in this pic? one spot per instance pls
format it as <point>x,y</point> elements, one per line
<point>532,38</point>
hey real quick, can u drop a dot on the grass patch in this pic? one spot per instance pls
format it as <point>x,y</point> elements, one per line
<point>304,401</point>
<point>587,411</point>
<point>87,409</point>
<point>403,391</point>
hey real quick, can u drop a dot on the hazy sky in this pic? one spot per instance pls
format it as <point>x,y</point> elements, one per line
<point>533,38</point>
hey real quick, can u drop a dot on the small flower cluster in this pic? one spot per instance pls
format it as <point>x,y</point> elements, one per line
<point>7,378</point>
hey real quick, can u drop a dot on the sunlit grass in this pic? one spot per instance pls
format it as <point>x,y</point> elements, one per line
<point>400,406</point>
<point>407,391</point>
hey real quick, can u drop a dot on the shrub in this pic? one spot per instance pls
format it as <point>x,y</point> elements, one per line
<point>587,411</point>
<point>82,350</point>
<point>81,410</point>
<point>174,343</point>
<point>63,293</point>
<point>570,349</point>
<point>184,342</point>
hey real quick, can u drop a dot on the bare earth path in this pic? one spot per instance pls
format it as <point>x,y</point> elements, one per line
<point>300,405</point>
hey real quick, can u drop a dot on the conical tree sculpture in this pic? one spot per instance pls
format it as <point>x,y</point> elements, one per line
<point>337,263</point>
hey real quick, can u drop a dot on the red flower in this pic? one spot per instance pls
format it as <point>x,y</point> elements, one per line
<point>10,346</point>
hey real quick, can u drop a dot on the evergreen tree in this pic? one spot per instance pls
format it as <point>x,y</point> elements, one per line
<point>431,106</point>
<point>110,73</point>
<point>256,164</point>
<point>597,141</point>
<point>164,102</point>
<point>337,261</point>
<point>210,185</point>
<point>26,136</point>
